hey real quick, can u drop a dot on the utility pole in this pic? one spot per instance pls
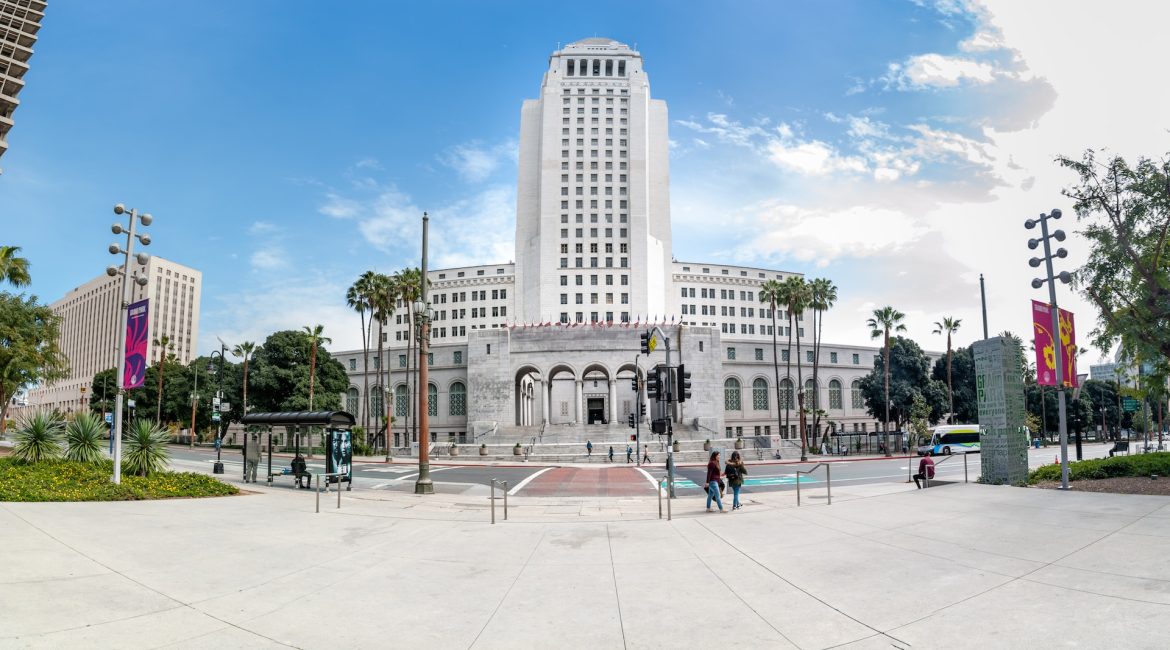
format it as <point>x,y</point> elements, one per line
<point>423,485</point>
<point>1064,277</point>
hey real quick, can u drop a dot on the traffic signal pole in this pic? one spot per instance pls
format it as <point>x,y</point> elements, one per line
<point>637,413</point>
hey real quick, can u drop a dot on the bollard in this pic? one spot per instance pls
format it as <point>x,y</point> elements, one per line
<point>964,468</point>
<point>493,499</point>
<point>339,491</point>
<point>505,501</point>
<point>667,501</point>
<point>829,482</point>
<point>659,487</point>
<point>798,489</point>
<point>318,491</point>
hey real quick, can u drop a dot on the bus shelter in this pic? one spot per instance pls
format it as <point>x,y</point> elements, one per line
<point>844,443</point>
<point>338,426</point>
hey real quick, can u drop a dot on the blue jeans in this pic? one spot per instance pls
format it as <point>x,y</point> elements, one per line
<point>735,495</point>
<point>713,493</point>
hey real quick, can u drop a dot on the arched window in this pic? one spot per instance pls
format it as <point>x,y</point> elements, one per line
<point>810,393</point>
<point>760,394</point>
<point>855,389</point>
<point>731,400</point>
<point>352,397</point>
<point>835,394</point>
<point>432,400</point>
<point>376,403</point>
<point>400,401</point>
<point>459,399</point>
<point>786,394</point>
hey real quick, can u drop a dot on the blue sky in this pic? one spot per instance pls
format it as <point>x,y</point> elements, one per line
<point>284,146</point>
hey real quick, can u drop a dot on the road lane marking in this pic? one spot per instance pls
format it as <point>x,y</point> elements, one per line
<point>650,478</point>
<point>433,470</point>
<point>527,480</point>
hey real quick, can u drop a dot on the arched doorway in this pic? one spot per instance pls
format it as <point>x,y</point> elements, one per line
<point>627,400</point>
<point>563,399</point>
<point>526,389</point>
<point>597,394</point>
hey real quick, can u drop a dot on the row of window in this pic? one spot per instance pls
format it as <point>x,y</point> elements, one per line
<point>593,247</point>
<point>594,262</point>
<point>580,218</point>
<point>593,203</point>
<point>596,317</point>
<point>461,296</point>
<point>456,402</point>
<point>579,233</point>
<point>376,362</point>
<point>809,355</point>
<point>460,274</point>
<point>595,299</point>
<point>581,68</point>
<point>594,279</point>
<point>760,394</point>
<point>742,273</point>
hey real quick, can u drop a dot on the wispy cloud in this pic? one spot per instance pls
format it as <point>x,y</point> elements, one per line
<point>476,162</point>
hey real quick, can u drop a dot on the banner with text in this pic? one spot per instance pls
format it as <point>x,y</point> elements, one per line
<point>1065,344</point>
<point>137,321</point>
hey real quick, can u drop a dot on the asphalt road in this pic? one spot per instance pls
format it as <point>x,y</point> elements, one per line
<point>620,478</point>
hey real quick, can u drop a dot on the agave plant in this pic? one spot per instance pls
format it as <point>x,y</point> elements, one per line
<point>145,449</point>
<point>83,438</point>
<point>38,436</point>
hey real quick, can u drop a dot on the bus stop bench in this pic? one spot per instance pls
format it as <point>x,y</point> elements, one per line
<point>298,470</point>
<point>1119,446</point>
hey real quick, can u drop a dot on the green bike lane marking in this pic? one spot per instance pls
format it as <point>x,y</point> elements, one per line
<point>789,479</point>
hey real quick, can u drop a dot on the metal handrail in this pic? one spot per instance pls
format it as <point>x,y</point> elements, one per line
<point>926,478</point>
<point>828,480</point>
<point>327,475</point>
<point>494,482</point>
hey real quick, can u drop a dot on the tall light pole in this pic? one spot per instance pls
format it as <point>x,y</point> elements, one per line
<point>194,402</point>
<point>215,408</point>
<point>120,336</point>
<point>423,484</point>
<point>1063,276</point>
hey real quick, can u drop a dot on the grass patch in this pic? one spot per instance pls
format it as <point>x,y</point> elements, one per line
<point>1098,468</point>
<point>63,480</point>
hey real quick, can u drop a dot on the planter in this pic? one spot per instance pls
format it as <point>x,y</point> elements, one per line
<point>516,451</point>
<point>454,450</point>
<point>707,446</point>
<point>483,450</point>
<point>739,443</point>
<point>677,447</point>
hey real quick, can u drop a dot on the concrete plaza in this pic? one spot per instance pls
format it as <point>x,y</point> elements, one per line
<point>954,566</point>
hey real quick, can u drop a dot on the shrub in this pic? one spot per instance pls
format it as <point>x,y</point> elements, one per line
<point>38,437</point>
<point>1097,468</point>
<point>145,449</point>
<point>83,438</point>
<point>63,480</point>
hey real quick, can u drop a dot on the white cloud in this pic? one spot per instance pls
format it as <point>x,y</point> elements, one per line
<point>285,303</point>
<point>938,71</point>
<point>270,258</point>
<point>476,162</point>
<point>263,228</point>
<point>339,208</point>
<point>813,157</point>
<point>790,232</point>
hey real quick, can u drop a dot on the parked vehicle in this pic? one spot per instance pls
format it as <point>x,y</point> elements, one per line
<point>952,439</point>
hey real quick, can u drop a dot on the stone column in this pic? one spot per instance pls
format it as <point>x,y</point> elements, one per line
<point>543,401</point>
<point>577,408</point>
<point>613,407</point>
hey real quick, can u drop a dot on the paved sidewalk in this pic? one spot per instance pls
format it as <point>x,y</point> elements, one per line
<point>956,566</point>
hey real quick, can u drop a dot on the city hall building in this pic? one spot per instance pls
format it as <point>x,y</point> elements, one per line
<point>550,343</point>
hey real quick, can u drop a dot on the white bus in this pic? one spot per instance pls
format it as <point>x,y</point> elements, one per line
<point>952,439</point>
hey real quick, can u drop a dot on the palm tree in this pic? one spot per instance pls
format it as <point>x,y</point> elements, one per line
<point>948,326</point>
<point>884,321</point>
<point>771,293</point>
<point>13,269</point>
<point>797,294</point>
<point>358,298</point>
<point>313,334</point>
<point>245,351</point>
<point>823,297</point>
<point>382,290</point>
<point>409,289</point>
<point>163,342</point>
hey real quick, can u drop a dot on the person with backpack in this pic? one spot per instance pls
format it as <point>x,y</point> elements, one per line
<point>589,448</point>
<point>611,453</point>
<point>735,473</point>
<point>714,483</point>
<point>629,454</point>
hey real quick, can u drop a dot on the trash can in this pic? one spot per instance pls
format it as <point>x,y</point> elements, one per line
<point>1036,443</point>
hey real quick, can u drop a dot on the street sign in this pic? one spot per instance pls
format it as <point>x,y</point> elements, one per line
<point>653,343</point>
<point>129,403</point>
<point>225,407</point>
<point>215,417</point>
<point>109,418</point>
<point>1129,404</point>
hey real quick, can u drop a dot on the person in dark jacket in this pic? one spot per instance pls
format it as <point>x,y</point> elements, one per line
<point>925,471</point>
<point>714,482</point>
<point>735,472</point>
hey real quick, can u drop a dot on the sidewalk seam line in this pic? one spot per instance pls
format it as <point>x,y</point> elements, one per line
<point>616,594</point>
<point>508,591</point>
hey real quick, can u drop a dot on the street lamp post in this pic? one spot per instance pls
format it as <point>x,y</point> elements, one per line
<point>194,402</point>
<point>423,484</point>
<point>1064,277</point>
<point>141,280</point>
<point>218,467</point>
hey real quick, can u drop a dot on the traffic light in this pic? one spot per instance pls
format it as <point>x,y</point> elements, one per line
<point>684,384</point>
<point>634,384</point>
<point>631,420</point>
<point>642,409</point>
<point>646,343</point>
<point>654,384</point>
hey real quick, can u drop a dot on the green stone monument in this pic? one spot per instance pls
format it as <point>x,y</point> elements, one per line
<point>999,388</point>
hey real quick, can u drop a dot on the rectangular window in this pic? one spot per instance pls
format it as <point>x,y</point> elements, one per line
<point>832,357</point>
<point>857,359</point>
<point>784,355</point>
<point>759,354</point>
<point>458,360</point>
<point>353,364</point>
<point>402,361</point>
<point>731,354</point>
<point>808,356</point>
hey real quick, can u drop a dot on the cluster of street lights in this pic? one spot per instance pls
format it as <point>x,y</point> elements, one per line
<point>1064,276</point>
<point>141,278</point>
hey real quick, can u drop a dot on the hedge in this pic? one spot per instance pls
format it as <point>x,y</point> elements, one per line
<point>1087,470</point>
<point>63,480</point>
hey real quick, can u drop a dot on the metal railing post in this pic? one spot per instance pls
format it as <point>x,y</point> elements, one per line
<point>798,489</point>
<point>338,491</point>
<point>964,468</point>
<point>658,487</point>
<point>318,491</point>
<point>493,499</point>
<point>505,501</point>
<point>667,501</point>
<point>829,482</point>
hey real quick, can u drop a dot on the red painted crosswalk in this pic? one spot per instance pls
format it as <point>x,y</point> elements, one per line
<point>588,482</point>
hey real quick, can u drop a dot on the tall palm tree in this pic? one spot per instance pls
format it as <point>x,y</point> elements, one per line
<point>884,321</point>
<point>771,293</point>
<point>823,295</point>
<point>163,342</point>
<point>245,350</point>
<point>798,295</point>
<point>381,308</point>
<point>13,268</point>
<point>314,338</point>
<point>948,326</point>
<point>409,284</point>
<point>358,299</point>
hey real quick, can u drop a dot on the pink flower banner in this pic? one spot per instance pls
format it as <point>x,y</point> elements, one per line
<point>137,321</point>
<point>1046,348</point>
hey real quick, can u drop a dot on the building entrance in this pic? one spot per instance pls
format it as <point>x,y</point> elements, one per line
<point>595,407</point>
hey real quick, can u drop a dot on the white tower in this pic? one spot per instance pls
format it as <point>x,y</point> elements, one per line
<point>593,198</point>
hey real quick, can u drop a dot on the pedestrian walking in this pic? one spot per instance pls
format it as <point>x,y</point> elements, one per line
<point>646,454</point>
<point>735,472</point>
<point>714,483</point>
<point>589,448</point>
<point>251,457</point>
<point>611,453</point>
<point>925,471</point>
<point>629,454</point>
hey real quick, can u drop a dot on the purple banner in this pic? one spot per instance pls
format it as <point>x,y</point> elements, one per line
<point>137,321</point>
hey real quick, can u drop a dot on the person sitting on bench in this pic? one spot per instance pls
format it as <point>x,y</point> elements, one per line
<point>299,470</point>
<point>925,471</point>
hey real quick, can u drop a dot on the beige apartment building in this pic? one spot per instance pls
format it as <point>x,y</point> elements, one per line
<point>20,20</point>
<point>90,322</point>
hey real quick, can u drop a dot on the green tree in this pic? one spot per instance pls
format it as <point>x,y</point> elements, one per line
<point>383,300</point>
<point>245,351</point>
<point>797,296</point>
<point>13,268</point>
<point>359,298</point>
<point>909,375</point>
<point>407,285</point>
<point>163,342</point>
<point>29,352</point>
<point>280,375</point>
<point>772,294</point>
<point>948,326</point>
<point>823,295</point>
<point>1125,211</point>
<point>315,338</point>
<point>961,396</point>
<point>884,321</point>
<point>919,420</point>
